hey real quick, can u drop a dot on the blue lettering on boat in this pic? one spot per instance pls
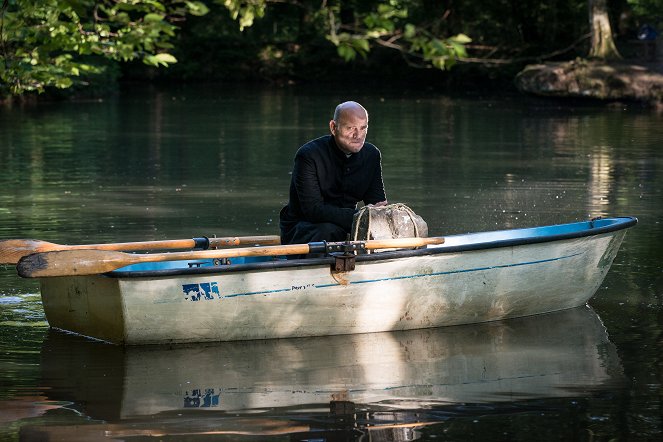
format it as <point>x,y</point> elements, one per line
<point>203,291</point>
<point>198,399</point>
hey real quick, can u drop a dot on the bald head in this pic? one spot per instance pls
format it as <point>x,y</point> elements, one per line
<point>349,107</point>
<point>349,126</point>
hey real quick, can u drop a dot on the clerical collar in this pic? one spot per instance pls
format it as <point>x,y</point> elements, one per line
<point>338,149</point>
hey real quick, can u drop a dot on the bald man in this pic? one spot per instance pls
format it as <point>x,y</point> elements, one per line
<point>331,175</point>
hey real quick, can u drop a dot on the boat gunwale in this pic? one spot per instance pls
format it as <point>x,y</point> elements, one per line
<point>620,223</point>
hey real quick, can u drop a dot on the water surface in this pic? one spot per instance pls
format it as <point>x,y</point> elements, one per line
<point>179,163</point>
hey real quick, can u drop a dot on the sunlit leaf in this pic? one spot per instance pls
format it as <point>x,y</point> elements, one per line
<point>162,59</point>
<point>459,49</point>
<point>410,30</point>
<point>362,44</point>
<point>346,52</point>
<point>460,39</point>
<point>151,18</point>
<point>63,83</point>
<point>197,8</point>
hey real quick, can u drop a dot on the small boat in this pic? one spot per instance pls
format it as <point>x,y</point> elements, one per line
<point>469,278</point>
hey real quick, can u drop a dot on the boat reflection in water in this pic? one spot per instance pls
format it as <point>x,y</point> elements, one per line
<point>386,382</point>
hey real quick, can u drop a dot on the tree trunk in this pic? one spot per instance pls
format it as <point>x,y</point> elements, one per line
<point>603,46</point>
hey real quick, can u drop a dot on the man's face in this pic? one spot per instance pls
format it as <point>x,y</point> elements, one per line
<point>350,130</point>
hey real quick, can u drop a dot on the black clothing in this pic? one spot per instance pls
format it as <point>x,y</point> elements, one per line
<point>325,187</point>
<point>305,232</point>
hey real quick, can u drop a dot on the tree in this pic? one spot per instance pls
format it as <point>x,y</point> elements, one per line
<point>354,27</point>
<point>57,43</point>
<point>602,43</point>
<point>62,43</point>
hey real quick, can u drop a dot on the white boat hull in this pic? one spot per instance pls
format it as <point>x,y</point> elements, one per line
<point>403,293</point>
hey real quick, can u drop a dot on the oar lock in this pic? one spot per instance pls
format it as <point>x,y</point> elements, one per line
<point>346,247</point>
<point>344,254</point>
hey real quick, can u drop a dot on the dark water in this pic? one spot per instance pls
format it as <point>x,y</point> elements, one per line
<point>174,164</point>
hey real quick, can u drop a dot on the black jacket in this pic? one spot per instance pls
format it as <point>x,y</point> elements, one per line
<point>326,184</point>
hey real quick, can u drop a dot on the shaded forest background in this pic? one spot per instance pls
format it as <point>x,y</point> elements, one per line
<point>287,46</point>
<point>295,42</point>
<point>283,45</point>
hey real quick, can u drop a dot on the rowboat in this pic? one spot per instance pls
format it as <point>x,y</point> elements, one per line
<point>258,294</point>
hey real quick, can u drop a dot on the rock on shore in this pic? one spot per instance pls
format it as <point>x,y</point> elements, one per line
<point>610,81</point>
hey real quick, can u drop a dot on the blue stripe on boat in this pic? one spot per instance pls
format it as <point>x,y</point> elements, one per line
<point>423,275</point>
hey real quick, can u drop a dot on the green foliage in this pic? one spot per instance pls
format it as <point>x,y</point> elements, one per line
<point>58,43</point>
<point>245,11</point>
<point>389,24</point>
<point>648,10</point>
<point>47,44</point>
<point>382,23</point>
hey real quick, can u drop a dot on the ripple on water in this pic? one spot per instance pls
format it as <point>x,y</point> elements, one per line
<point>10,299</point>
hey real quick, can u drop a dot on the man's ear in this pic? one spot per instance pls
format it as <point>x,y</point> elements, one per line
<point>332,127</point>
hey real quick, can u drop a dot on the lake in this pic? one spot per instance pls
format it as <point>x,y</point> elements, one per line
<point>167,163</point>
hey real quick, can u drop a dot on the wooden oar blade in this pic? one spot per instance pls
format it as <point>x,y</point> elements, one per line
<point>70,263</point>
<point>91,262</point>
<point>12,250</point>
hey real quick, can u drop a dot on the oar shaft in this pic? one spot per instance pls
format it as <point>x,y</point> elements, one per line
<point>194,243</point>
<point>396,243</point>
<point>260,240</point>
<point>291,249</point>
<point>90,261</point>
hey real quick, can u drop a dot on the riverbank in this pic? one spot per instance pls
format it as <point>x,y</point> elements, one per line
<point>607,81</point>
<point>578,80</point>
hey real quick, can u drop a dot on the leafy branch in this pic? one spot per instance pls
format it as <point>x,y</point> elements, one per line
<point>53,43</point>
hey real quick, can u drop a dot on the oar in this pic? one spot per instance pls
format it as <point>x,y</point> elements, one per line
<point>90,262</point>
<point>11,250</point>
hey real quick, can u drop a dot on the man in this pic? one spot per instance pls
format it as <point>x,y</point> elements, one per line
<point>331,175</point>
